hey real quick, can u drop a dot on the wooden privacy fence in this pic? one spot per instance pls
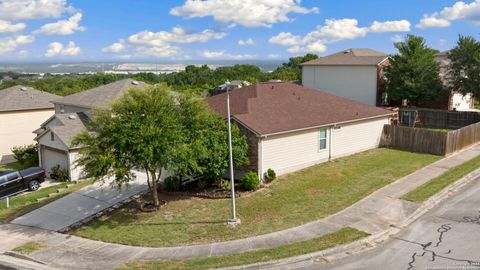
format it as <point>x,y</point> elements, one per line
<point>414,139</point>
<point>430,141</point>
<point>439,118</point>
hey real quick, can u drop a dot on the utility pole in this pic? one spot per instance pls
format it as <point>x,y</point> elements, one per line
<point>234,220</point>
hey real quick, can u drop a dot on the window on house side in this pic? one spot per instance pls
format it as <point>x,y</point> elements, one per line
<point>52,136</point>
<point>62,108</point>
<point>323,138</point>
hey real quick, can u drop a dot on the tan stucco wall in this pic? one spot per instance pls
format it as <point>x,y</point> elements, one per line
<point>16,129</point>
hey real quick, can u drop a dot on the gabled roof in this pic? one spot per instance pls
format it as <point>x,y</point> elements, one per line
<point>72,124</point>
<point>271,108</point>
<point>20,98</point>
<point>101,96</point>
<point>350,57</point>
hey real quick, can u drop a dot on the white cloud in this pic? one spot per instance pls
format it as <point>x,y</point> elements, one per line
<point>458,11</point>
<point>62,27</point>
<point>390,26</point>
<point>33,9</point>
<point>23,53</point>
<point>397,38</point>
<point>273,55</point>
<point>115,47</point>
<point>11,43</point>
<point>162,43</point>
<point>6,26</point>
<point>333,31</point>
<point>58,49</point>
<point>285,39</point>
<point>246,42</point>
<point>249,13</point>
<point>222,55</point>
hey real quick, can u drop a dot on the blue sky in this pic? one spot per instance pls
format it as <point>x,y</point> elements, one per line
<point>183,30</point>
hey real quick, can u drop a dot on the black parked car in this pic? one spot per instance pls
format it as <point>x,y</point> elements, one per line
<point>13,181</point>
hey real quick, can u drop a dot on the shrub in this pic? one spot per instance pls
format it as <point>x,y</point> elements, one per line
<point>201,184</point>
<point>250,181</point>
<point>59,174</point>
<point>172,183</point>
<point>226,184</point>
<point>26,155</point>
<point>270,175</point>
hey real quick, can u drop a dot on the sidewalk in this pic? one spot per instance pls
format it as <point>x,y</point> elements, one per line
<point>372,214</point>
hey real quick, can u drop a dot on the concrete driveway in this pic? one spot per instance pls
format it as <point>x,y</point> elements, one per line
<point>80,205</point>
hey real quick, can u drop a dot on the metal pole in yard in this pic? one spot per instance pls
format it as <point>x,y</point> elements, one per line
<point>234,220</point>
<point>8,202</point>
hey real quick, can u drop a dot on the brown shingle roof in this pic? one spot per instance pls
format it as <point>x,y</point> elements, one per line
<point>101,96</point>
<point>18,98</point>
<point>270,108</point>
<point>71,125</point>
<point>354,56</point>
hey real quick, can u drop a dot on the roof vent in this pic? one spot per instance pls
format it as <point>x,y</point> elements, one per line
<point>72,117</point>
<point>347,51</point>
<point>23,88</point>
<point>135,83</point>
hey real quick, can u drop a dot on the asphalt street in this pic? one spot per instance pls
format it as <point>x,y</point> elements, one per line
<point>448,237</point>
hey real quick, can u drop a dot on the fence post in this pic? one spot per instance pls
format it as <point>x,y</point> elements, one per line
<point>8,202</point>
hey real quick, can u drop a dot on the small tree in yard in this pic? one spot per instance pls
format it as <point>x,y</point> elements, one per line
<point>149,130</point>
<point>413,73</point>
<point>465,66</point>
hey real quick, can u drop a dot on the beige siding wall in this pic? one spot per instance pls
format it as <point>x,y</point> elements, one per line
<point>75,171</point>
<point>356,137</point>
<point>353,82</point>
<point>292,151</point>
<point>16,130</point>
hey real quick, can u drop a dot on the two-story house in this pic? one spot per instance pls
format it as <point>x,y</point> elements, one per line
<point>72,113</point>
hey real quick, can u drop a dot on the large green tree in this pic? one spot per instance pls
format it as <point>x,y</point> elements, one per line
<point>465,66</point>
<point>292,70</point>
<point>156,129</point>
<point>413,73</point>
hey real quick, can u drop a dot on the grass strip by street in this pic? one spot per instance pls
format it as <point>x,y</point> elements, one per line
<point>340,237</point>
<point>289,201</point>
<point>28,248</point>
<point>22,204</point>
<point>432,187</point>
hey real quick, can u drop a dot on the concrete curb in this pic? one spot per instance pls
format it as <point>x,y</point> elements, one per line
<point>22,257</point>
<point>371,241</point>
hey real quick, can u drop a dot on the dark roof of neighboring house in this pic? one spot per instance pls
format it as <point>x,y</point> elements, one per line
<point>72,124</point>
<point>20,98</point>
<point>354,56</point>
<point>101,96</point>
<point>270,108</point>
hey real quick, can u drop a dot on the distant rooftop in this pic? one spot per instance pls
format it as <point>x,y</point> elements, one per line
<point>354,56</point>
<point>101,96</point>
<point>21,98</point>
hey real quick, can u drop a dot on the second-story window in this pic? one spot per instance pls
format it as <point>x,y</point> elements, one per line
<point>62,108</point>
<point>52,136</point>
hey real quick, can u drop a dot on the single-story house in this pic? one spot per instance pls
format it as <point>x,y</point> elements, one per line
<point>21,110</point>
<point>72,112</point>
<point>356,74</point>
<point>290,127</point>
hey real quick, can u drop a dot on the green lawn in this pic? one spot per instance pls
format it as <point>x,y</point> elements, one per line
<point>27,202</point>
<point>340,237</point>
<point>435,185</point>
<point>28,248</point>
<point>289,201</point>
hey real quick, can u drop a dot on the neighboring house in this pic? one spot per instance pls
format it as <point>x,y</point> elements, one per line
<point>71,114</point>
<point>290,127</point>
<point>21,110</point>
<point>356,74</point>
<point>230,86</point>
<point>453,100</point>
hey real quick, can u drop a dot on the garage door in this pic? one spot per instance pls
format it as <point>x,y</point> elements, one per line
<point>52,158</point>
